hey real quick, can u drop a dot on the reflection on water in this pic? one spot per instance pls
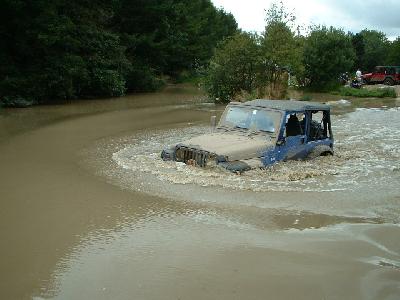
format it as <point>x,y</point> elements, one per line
<point>175,256</point>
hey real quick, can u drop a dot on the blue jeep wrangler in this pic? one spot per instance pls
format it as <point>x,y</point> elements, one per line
<point>259,133</point>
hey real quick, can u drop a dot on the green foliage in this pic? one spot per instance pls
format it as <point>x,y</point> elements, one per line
<point>233,67</point>
<point>376,48</point>
<point>281,49</point>
<point>280,54</point>
<point>327,53</point>
<point>315,62</point>
<point>277,13</point>
<point>107,83</point>
<point>364,93</point>
<point>394,53</point>
<point>170,36</point>
<point>306,98</point>
<point>359,48</point>
<point>64,49</point>
<point>250,65</point>
<point>142,78</point>
<point>16,102</point>
<point>373,49</point>
<point>60,50</point>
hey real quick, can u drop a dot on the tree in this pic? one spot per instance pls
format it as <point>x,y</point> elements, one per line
<point>281,50</point>
<point>376,49</point>
<point>359,48</point>
<point>327,54</point>
<point>233,68</point>
<point>59,50</point>
<point>257,65</point>
<point>65,49</point>
<point>170,36</point>
<point>394,53</point>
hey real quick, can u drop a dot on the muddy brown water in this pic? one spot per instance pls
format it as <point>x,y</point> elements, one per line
<point>88,211</point>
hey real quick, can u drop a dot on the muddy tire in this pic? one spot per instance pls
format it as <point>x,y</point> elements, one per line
<point>320,151</point>
<point>237,167</point>
<point>388,81</point>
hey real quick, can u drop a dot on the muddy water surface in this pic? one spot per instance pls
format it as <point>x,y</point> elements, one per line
<point>89,211</point>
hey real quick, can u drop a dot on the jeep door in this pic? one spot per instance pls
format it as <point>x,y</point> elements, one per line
<point>318,132</point>
<point>303,133</point>
<point>291,143</point>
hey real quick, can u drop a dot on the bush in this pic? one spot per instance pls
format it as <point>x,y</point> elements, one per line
<point>232,70</point>
<point>16,102</point>
<point>306,98</point>
<point>107,83</point>
<point>364,93</point>
<point>141,78</point>
<point>327,52</point>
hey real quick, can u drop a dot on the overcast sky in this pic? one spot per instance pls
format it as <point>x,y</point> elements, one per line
<point>350,15</point>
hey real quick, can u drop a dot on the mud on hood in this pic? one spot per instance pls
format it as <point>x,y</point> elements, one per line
<point>235,146</point>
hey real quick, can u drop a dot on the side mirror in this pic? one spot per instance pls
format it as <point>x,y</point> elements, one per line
<point>280,142</point>
<point>213,122</point>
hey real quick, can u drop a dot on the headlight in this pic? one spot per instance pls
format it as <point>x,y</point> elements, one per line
<point>168,154</point>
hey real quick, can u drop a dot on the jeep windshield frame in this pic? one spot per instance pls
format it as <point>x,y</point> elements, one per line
<point>251,119</point>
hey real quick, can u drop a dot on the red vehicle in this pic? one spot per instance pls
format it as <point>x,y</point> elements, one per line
<point>388,75</point>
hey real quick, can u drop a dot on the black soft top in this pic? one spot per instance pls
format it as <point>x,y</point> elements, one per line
<point>285,105</point>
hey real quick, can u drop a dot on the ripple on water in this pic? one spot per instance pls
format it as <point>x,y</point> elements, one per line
<point>360,180</point>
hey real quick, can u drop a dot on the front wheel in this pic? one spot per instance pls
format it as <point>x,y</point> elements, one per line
<point>322,150</point>
<point>388,81</point>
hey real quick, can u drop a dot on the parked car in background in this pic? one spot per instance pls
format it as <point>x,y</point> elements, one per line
<point>388,75</point>
<point>259,133</point>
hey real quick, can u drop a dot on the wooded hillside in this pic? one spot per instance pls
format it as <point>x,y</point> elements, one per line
<point>65,49</point>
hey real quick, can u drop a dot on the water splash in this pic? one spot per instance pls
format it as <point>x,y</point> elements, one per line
<point>367,155</point>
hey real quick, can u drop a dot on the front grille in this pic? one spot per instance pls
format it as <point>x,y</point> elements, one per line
<point>192,156</point>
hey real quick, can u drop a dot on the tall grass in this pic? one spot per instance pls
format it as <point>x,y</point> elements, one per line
<point>364,93</point>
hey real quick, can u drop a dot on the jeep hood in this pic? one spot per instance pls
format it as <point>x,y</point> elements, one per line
<point>235,146</point>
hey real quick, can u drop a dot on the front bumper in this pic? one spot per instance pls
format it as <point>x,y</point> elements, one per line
<point>190,156</point>
<point>202,158</point>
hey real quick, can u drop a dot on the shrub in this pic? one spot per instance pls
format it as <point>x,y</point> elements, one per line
<point>233,68</point>
<point>306,98</point>
<point>364,93</point>
<point>107,83</point>
<point>16,101</point>
<point>141,78</point>
<point>327,52</point>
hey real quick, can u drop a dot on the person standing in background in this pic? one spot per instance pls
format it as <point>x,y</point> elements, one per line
<point>359,76</point>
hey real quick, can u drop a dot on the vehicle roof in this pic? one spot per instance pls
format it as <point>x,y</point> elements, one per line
<point>287,105</point>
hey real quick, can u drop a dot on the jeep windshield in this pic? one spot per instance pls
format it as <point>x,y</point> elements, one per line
<point>248,118</point>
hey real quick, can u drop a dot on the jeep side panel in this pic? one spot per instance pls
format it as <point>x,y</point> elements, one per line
<point>300,146</point>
